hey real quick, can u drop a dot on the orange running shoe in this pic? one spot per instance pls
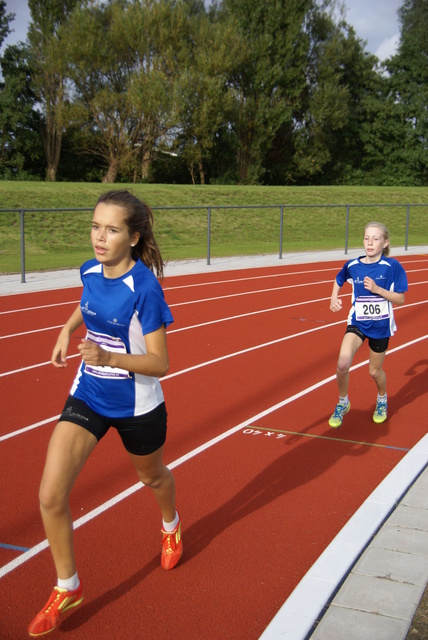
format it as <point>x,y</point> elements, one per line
<point>47,619</point>
<point>172,547</point>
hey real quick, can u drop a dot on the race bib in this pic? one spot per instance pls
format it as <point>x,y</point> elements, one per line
<point>371,308</point>
<point>108,343</point>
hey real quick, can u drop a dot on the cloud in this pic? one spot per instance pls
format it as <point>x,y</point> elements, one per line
<point>375,21</point>
<point>388,47</point>
<point>19,25</point>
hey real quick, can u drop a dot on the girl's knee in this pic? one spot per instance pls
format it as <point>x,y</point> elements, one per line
<point>50,499</point>
<point>149,481</point>
<point>375,372</point>
<point>343,366</point>
<point>152,480</point>
<point>157,479</point>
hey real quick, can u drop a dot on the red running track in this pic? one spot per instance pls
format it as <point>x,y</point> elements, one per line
<point>263,483</point>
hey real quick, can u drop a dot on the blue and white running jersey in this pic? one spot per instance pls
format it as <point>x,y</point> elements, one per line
<point>372,314</point>
<point>118,313</point>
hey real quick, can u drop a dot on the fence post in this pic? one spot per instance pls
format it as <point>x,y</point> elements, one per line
<point>22,232</point>
<point>347,229</point>
<point>407,228</point>
<point>209,236</point>
<point>281,228</point>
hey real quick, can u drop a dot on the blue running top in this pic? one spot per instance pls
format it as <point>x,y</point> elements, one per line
<point>372,314</point>
<point>118,313</point>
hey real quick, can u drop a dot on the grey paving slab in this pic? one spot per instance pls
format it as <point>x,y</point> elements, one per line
<point>392,565</point>
<point>408,540</point>
<point>417,496</point>
<point>349,624</point>
<point>415,517</point>
<point>379,595</point>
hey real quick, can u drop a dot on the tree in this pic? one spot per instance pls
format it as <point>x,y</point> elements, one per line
<point>19,121</point>
<point>268,83</point>
<point>121,61</point>
<point>157,32</point>
<point>5,20</point>
<point>205,97</point>
<point>342,80</point>
<point>408,82</point>
<point>21,152</point>
<point>47,50</point>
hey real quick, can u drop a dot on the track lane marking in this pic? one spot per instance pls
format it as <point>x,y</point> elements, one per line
<point>318,437</point>
<point>236,317</point>
<point>14,564</point>
<point>48,362</point>
<point>61,304</point>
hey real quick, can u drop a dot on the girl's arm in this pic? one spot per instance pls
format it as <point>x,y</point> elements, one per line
<point>154,363</point>
<point>392,296</point>
<point>335,302</point>
<point>59,354</point>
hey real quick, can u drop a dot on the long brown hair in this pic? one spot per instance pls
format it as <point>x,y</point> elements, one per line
<point>139,219</point>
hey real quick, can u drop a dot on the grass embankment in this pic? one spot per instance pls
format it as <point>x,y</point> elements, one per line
<point>60,239</point>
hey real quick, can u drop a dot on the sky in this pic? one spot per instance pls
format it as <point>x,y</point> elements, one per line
<point>374,21</point>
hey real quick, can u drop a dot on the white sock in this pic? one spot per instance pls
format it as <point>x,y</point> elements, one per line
<point>343,400</point>
<point>381,398</point>
<point>170,526</point>
<point>70,583</point>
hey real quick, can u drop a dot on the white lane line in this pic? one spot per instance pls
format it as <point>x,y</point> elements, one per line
<point>200,365</point>
<point>204,284</point>
<point>205,364</point>
<point>272,309</point>
<point>304,302</point>
<point>42,306</point>
<point>30,427</point>
<point>207,445</point>
<point>28,333</point>
<point>231,355</point>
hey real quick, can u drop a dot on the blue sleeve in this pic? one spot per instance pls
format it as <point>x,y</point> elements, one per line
<point>400,278</point>
<point>342,276</point>
<point>152,308</point>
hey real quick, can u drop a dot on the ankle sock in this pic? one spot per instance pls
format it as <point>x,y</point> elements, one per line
<point>170,526</point>
<point>343,400</point>
<point>381,398</point>
<point>70,583</point>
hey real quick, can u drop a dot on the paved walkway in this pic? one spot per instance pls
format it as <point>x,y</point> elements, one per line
<point>368,582</point>
<point>381,593</point>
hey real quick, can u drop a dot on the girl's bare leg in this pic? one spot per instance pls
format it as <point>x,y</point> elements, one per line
<point>350,345</point>
<point>154,474</point>
<point>376,371</point>
<point>69,448</point>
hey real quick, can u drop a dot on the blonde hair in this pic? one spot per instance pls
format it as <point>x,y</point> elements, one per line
<point>385,233</point>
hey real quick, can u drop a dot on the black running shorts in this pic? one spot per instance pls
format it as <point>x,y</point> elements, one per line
<point>140,435</point>
<point>378,345</point>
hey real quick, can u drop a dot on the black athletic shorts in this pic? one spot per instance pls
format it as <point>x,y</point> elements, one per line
<point>378,345</point>
<point>140,435</point>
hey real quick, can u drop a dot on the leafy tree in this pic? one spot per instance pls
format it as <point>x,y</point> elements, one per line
<point>5,20</point>
<point>47,50</point>
<point>157,32</point>
<point>408,82</point>
<point>324,109</point>
<point>268,83</point>
<point>121,61</point>
<point>21,152</point>
<point>205,97</point>
<point>342,77</point>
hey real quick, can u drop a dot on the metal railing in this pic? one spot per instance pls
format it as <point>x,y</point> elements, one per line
<point>209,209</point>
